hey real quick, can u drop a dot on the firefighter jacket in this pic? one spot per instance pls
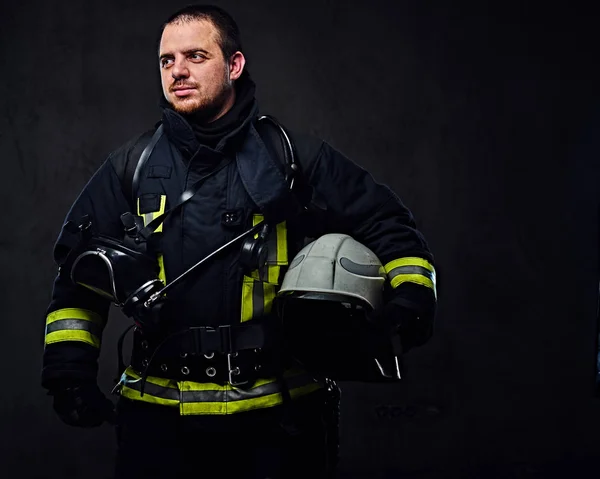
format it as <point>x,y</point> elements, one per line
<point>235,196</point>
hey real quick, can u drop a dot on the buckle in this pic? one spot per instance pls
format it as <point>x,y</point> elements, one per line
<point>207,339</point>
<point>234,371</point>
<point>226,339</point>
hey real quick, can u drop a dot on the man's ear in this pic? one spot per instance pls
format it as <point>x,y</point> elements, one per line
<point>237,62</point>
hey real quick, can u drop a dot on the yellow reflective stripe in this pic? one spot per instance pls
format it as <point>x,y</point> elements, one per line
<point>134,394</point>
<point>74,313</point>
<point>269,401</point>
<point>156,390</point>
<point>254,275</point>
<point>211,408</point>
<point>282,252</point>
<point>161,271</point>
<point>247,291</point>
<point>278,253</point>
<point>156,214</point>
<point>412,278</point>
<point>74,324</point>
<point>226,407</point>
<point>161,263</point>
<point>280,256</point>
<point>152,394</point>
<point>148,217</point>
<point>411,270</point>
<point>257,298</point>
<point>409,261</point>
<point>131,373</point>
<point>72,335</point>
<point>209,398</point>
<point>273,274</point>
<point>259,292</point>
<point>228,400</point>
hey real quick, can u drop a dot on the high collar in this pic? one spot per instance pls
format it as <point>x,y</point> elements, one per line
<point>190,137</point>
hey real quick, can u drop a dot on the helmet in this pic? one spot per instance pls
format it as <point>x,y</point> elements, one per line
<point>336,267</point>
<point>326,298</point>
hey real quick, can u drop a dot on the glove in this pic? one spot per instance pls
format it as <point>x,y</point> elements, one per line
<point>409,313</point>
<point>82,404</point>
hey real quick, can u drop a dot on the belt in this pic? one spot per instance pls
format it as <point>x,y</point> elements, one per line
<point>240,369</point>
<point>234,354</point>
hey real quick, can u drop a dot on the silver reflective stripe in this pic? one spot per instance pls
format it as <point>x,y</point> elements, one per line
<point>74,325</point>
<point>272,245</point>
<point>258,299</point>
<point>411,270</point>
<point>241,394</point>
<point>154,390</point>
<point>148,217</point>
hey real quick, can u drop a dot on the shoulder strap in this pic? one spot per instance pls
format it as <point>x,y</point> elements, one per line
<point>278,142</point>
<point>280,145</point>
<point>139,155</point>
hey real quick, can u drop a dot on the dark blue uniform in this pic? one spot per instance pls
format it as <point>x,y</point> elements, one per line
<point>246,186</point>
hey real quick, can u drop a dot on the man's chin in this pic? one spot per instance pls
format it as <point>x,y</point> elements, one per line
<point>201,113</point>
<point>186,107</point>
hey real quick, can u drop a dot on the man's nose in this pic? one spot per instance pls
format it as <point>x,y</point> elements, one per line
<point>180,69</point>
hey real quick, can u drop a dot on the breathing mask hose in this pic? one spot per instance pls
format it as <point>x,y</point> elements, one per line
<point>150,301</point>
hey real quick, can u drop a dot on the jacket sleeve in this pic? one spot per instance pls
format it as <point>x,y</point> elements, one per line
<point>76,316</point>
<point>374,215</point>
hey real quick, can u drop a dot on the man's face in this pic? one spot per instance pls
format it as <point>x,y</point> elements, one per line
<point>195,77</point>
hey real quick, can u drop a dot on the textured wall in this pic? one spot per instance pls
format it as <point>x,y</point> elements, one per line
<point>480,118</point>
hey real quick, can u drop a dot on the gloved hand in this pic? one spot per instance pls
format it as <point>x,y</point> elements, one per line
<point>82,404</point>
<point>410,313</point>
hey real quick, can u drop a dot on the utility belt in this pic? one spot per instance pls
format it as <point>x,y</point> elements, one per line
<point>235,354</point>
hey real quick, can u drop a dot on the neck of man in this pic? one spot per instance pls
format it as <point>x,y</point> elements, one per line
<point>228,105</point>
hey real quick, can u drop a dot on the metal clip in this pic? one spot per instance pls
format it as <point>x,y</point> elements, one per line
<point>152,299</point>
<point>234,371</point>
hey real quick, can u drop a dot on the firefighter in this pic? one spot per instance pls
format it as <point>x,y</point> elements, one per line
<point>215,197</point>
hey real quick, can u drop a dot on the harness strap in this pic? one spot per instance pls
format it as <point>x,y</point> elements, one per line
<point>132,175</point>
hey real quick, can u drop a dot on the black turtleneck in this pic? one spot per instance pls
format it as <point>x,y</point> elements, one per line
<point>210,134</point>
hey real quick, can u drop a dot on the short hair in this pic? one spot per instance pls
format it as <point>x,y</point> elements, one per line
<point>229,34</point>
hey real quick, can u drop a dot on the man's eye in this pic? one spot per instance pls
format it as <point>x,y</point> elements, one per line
<point>165,62</point>
<point>197,56</point>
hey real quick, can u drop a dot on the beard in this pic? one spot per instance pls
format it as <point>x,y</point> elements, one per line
<point>204,109</point>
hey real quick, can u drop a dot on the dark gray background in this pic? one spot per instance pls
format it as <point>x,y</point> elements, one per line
<point>480,116</point>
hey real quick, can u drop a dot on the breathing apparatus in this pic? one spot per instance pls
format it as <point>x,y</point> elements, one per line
<point>125,271</point>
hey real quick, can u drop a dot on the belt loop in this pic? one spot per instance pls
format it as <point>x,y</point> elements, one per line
<point>197,339</point>
<point>226,340</point>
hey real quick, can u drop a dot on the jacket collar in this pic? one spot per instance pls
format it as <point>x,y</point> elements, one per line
<point>181,134</point>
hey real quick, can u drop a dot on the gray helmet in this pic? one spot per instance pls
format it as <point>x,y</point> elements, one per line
<point>325,300</point>
<point>336,267</point>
